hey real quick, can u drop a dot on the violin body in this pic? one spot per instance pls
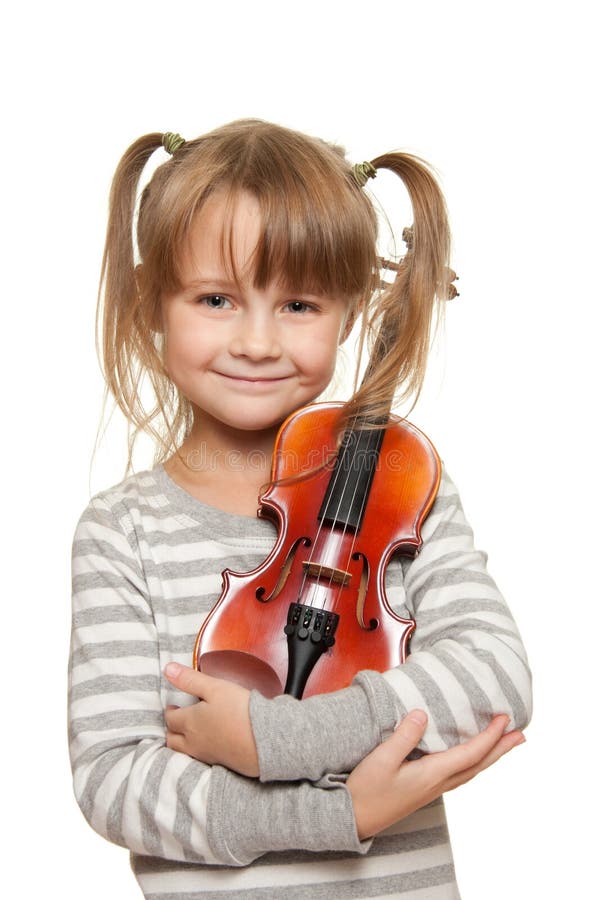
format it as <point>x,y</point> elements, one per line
<point>320,592</point>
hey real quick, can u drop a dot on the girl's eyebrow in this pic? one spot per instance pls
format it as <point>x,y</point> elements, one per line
<point>205,282</point>
<point>218,282</point>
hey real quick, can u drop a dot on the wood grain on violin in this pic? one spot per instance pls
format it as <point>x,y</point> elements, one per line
<point>315,612</point>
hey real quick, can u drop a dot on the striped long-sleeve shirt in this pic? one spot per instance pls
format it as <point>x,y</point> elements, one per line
<point>147,558</point>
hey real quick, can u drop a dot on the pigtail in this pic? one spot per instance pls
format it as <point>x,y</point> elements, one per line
<point>124,338</point>
<point>319,233</point>
<point>397,322</point>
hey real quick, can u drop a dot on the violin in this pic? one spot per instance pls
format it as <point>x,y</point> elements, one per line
<point>315,612</point>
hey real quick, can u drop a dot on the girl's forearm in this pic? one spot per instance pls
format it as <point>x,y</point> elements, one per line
<point>467,664</point>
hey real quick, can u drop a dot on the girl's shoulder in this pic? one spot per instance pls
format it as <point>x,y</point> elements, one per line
<point>136,495</point>
<point>151,502</point>
<point>120,516</point>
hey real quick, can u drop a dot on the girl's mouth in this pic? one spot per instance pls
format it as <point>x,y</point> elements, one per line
<point>253,379</point>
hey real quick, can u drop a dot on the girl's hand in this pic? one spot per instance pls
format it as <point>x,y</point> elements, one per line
<point>217,729</point>
<point>385,787</point>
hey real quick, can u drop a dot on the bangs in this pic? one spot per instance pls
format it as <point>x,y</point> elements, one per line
<point>318,229</point>
<point>313,244</point>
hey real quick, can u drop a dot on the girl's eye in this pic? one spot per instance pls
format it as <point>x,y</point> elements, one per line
<point>215,301</point>
<point>299,306</point>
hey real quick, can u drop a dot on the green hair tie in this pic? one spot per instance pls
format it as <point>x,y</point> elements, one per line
<point>172,142</point>
<point>361,172</point>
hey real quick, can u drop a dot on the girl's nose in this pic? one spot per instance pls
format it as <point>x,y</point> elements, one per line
<point>256,338</point>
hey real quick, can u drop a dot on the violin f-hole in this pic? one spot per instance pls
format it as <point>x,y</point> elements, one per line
<point>362,593</point>
<point>285,571</point>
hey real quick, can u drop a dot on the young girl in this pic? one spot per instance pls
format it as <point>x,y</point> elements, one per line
<point>251,256</point>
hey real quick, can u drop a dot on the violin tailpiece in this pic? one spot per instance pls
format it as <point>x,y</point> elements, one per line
<point>310,632</point>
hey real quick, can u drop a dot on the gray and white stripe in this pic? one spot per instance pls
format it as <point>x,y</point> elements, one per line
<point>147,562</point>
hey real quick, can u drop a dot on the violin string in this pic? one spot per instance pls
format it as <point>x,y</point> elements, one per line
<point>371,447</point>
<point>363,454</point>
<point>359,458</point>
<point>376,355</point>
<point>311,556</point>
<point>326,514</point>
<point>349,460</point>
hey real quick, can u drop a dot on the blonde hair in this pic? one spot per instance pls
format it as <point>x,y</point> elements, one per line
<point>319,234</point>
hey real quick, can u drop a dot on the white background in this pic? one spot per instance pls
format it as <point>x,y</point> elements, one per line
<point>503,100</point>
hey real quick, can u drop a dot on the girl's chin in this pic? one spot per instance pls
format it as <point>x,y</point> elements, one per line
<point>245,424</point>
<point>245,416</point>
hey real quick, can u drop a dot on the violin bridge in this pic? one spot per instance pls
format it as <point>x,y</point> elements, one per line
<point>326,573</point>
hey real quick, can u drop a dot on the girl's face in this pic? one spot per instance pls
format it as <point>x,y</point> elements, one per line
<point>243,356</point>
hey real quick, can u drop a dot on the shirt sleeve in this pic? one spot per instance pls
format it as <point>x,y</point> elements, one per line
<point>131,788</point>
<point>467,663</point>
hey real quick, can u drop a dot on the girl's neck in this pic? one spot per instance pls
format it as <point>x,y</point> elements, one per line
<point>224,468</point>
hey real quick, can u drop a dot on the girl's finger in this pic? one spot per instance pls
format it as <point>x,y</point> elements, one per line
<point>175,742</point>
<point>506,743</point>
<point>188,680</point>
<point>465,756</point>
<point>174,719</point>
<point>405,738</point>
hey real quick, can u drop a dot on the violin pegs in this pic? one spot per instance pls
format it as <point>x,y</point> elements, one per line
<point>449,291</point>
<point>408,236</point>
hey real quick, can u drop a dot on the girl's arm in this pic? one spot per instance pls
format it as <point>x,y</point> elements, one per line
<point>467,663</point>
<point>384,787</point>
<point>131,787</point>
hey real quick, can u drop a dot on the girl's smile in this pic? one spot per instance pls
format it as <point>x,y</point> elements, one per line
<point>245,357</point>
<point>252,382</point>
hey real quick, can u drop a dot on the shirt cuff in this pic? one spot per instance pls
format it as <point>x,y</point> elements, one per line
<point>247,819</point>
<point>305,739</point>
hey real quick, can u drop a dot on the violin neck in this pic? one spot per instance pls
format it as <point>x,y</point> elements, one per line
<point>357,460</point>
<point>348,489</point>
